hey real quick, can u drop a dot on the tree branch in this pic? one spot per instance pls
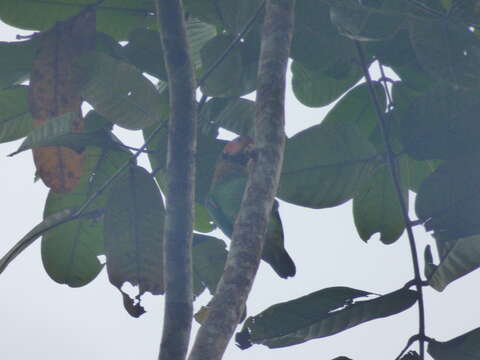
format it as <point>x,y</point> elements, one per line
<point>180,182</point>
<point>228,303</point>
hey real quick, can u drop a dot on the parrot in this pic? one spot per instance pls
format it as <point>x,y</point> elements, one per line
<point>225,195</point>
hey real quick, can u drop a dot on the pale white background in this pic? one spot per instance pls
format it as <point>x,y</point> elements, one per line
<point>44,320</point>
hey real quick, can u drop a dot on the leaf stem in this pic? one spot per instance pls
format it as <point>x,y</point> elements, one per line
<point>396,181</point>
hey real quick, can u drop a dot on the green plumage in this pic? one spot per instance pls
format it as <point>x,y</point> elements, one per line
<point>223,203</point>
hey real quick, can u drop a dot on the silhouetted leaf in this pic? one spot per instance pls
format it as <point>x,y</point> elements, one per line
<point>15,119</point>
<point>47,224</point>
<point>464,347</point>
<point>441,124</point>
<point>316,43</point>
<point>209,256</point>
<point>234,114</point>
<point>459,259</point>
<point>208,150</point>
<point>340,158</point>
<point>59,131</point>
<point>366,23</point>
<point>133,231</point>
<point>119,92</point>
<point>69,251</point>
<point>114,17</point>
<point>448,50</point>
<point>16,60</point>
<point>321,87</point>
<point>376,207</point>
<point>235,76</point>
<point>144,49</point>
<point>449,200</point>
<point>322,313</point>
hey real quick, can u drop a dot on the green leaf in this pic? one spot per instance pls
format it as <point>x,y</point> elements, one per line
<point>356,107</point>
<point>59,132</point>
<point>415,172</point>
<point>15,119</point>
<point>235,76</point>
<point>119,92</point>
<point>69,251</point>
<point>16,60</point>
<point>234,114</point>
<point>316,42</point>
<point>365,23</point>
<point>464,347</point>
<point>376,207</point>
<point>208,150</point>
<point>322,313</point>
<point>209,257</point>
<point>144,49</point>
<point>441,124</point>
<point>449,51</point>
<point>114,17</point>
<point>398,54</point>
<point>47,224</point>
<point>133,231</point>
<point>320,88</point>
<point>461,258</point>
<point>231,15</point>
<point>343,157</point>
<point>449,201</point>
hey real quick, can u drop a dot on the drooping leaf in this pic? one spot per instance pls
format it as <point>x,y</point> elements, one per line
<point>133,231</point>
<point>69,251</point>
<point>461,258</point>
<point>16,60</point>
<point>321,87</point>
<point>448,50</point>
<point>365,23</point>
<point>441,124</point>
<point>235,76</point>
<point>463,347</point>
<point>341,158</point>
<point>15,119</point>
<point>322,313</point>
<point>316,43</point>
<point>54,91</point>
<point>376,207</point>
<point>234,114</point>
<point>119,92</point>
<point>114,17</point>
<point>209,256</point>
<point>449,199</point>
<point>417,171</point>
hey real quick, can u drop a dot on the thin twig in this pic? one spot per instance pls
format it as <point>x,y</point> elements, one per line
<point>396,181</point>
<point>234,42</point>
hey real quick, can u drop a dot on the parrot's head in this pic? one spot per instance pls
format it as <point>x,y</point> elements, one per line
<point>235,159</point>
<point>239,151</point>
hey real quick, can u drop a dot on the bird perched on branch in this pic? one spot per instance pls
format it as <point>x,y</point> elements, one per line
<point>225,196</point>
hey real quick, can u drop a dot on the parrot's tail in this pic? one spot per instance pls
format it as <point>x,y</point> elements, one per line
<point>282,263</point>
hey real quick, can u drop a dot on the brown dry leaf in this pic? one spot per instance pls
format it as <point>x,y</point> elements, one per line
<point>54,91</point>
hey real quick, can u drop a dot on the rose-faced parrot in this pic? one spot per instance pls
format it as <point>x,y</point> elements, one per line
<point>225,196</point>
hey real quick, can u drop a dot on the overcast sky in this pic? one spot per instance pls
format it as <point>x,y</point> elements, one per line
<point>44,320</point>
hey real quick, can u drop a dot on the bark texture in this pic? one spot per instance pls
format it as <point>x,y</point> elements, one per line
<point>228,303</point>
<point>180,182</point>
